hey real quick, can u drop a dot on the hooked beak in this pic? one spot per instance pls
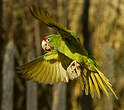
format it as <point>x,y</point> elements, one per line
<point>45,46</point>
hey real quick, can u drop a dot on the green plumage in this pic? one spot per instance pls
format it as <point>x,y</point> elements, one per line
<point>67,60</point>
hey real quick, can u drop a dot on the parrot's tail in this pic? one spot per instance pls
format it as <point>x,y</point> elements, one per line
<point>90,80</point>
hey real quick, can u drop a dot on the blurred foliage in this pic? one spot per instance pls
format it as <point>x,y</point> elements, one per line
<point>97,22</point>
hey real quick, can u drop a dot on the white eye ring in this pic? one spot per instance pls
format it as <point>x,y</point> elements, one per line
<point>48,40</point>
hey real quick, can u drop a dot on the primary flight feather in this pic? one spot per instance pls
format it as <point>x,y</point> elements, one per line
<point>64,60</point>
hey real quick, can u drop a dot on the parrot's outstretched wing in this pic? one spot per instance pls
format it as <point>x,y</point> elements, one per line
<point>49,69</point>
<point>91,81</point>
<point>44,17</point>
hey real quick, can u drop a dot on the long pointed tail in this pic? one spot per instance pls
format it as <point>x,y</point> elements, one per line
<point>93,81</point>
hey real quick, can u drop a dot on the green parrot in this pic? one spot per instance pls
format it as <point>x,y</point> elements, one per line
<point>64,59</point>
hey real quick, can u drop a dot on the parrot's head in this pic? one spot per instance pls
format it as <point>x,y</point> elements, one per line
<point>49,42</point>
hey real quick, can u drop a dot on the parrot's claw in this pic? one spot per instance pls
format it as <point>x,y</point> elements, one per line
<point>74,69</point>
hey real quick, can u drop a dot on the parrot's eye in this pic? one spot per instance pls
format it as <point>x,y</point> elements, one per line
<point>48,40</point>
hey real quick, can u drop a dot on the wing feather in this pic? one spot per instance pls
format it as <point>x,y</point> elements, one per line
<point>35,75</point>
<point>41,73</point>
<point>54,74</point>
<point>49,76</point>
<point>63,76</point>
<point>43,16</point>
<point>45,71</point>
<point>57,73</point>
<point>33,70</point>
<point>28,65</point>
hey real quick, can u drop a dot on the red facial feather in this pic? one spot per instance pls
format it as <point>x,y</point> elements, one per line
<point>44,38</point>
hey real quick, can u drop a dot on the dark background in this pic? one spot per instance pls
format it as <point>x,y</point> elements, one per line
<point>100,26</point>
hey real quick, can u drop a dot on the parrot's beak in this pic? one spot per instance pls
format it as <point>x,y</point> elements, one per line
<point>45,46</point>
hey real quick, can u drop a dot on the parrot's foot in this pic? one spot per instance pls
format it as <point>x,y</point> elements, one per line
<point>74,69</point>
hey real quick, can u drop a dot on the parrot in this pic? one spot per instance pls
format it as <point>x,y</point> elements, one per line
<point>64,59</point>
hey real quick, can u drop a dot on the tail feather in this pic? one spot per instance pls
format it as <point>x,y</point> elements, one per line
<point>107,83</point>
<point>82,82</point>
<point>103,77</point>
<point>86,85</point>
<point>110,88</point>
<point>95,84</point>
<point>91,87</point>
<point>93,81</point>
<point>101,84</point>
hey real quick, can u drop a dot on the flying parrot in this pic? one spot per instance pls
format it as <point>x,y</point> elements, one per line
<point>64,59</point>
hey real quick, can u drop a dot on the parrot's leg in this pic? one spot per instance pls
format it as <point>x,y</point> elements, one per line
<point>74,69</point>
